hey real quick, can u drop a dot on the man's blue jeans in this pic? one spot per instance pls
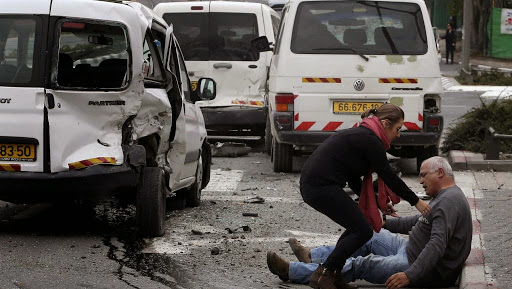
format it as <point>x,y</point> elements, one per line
<point>389,257</point>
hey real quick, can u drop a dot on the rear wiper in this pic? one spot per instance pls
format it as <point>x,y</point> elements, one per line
<point>345,48</point>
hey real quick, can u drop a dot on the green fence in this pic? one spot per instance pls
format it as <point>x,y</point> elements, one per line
<point>500,45</point>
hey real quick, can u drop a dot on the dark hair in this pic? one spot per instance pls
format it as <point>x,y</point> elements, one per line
<point>387,111</point>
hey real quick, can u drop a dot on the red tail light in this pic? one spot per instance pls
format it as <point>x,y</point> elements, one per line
<point>284,101</point>
<point>434,122</point>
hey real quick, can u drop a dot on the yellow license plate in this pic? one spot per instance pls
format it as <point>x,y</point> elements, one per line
<point>18,152</point>
<point>353,107</point>
<point>194,85</point>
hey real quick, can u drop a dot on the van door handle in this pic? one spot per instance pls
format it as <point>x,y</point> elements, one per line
<point>50,100</point>
<point>222,65</point>
<point>253,66</point>
<point>191,74</point>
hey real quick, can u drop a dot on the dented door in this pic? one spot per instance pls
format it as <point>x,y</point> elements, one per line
<point>96,82</point>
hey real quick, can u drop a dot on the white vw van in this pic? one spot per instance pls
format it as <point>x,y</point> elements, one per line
<point>335,59</point>
<point>98,101</point>
<point>216,40</point>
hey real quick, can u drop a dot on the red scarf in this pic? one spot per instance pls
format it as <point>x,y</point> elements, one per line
<point>367,203</point>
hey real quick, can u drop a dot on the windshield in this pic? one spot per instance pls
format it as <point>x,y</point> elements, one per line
<point>17,42</point>
<point>215,36</point>
<point>359,27</point>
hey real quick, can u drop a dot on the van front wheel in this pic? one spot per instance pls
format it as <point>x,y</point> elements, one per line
<point>282,155</point>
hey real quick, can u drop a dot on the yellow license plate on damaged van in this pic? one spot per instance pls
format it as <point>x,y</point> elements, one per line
<point>353,107</point>
<point>18,152</point>
<point>194,85</point>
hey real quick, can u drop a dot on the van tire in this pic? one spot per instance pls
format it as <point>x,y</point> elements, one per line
<point>193,198</point>
<point>426,153</point>
<point>268,137</point>
<point>151,202</point>
<point>282,155</point>
<point>206,153</point>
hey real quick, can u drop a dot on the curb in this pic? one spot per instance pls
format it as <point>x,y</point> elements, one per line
<point>473,273</point>
<point>466,160</point>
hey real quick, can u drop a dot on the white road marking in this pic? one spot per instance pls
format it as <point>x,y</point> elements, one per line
<point>224,181</point>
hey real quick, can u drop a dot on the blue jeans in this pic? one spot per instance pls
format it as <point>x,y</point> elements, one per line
<point>389,257</point>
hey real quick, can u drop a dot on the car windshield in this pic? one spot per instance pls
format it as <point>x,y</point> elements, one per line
<point>215,36</point>
<point>17,45</point>
<point>359,27</point>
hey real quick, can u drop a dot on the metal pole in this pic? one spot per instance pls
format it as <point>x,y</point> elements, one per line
<point>466,33</point>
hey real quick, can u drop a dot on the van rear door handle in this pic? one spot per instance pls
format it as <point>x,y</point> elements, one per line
<point>253,66</point>
<point>50,100</point>
<point>222,65</point>
<point>191,73</point>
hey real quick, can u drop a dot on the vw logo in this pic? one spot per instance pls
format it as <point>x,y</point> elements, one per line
<point>359,85</point>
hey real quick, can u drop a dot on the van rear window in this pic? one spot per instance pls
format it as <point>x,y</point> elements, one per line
<point>17,47</point>
<point>215,36</point>
<point>359,27</point>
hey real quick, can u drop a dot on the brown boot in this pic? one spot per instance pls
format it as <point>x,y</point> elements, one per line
<point>322,278</point>
<point>278,266</point>
<point>302,253</point>
<point>340,283</point>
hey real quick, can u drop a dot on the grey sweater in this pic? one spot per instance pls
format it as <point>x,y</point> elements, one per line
<point>440,243</point>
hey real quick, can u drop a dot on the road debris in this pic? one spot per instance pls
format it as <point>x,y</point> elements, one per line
<point>230,149</point>
<point>255,200</point>
<point>250,214</point>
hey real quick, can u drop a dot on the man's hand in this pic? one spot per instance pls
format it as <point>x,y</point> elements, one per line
<point>397,280</point>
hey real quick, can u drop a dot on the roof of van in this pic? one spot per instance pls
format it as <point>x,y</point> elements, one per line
<point>291,2</point>
<point>163,7</point>
<point>34,6</point>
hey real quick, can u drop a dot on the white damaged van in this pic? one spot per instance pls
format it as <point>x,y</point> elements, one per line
<point>216,40</point>
<point>335,59</point>
<point>98,101</point>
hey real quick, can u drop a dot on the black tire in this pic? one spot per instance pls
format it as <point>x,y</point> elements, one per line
<point>282,154</point>
<point>268,137</point>
<point>151,202</point>
<point>193,198</point>
<point>207,163</point>
<point>427,152</point>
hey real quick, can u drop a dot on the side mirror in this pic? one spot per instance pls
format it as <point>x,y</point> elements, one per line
<point>261,44</point>
<point>206,89</point>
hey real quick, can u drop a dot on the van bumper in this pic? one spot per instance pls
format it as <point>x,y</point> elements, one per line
<point>234,118</point>
<point>92,183</point>
<point>417,138</point>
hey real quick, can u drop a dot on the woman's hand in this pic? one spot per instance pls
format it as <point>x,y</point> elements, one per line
<point>391,211</point>
<point>423,208</point>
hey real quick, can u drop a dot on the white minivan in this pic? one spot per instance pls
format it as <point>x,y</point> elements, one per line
<point>96,100</point>
<point>216,40</point>
<point>335,59</point>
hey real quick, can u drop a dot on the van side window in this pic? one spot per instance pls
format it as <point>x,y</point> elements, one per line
<point>185,81</point>
<point>275,25</point>
<point>91,56</point>
<point>151,67</point>
<point>191,30</point>
<point>17,42</point>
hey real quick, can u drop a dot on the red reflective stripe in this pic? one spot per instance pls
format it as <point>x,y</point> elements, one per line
<point>324,79</point>
<point>71,167</point>
<point>295,96</point>
<point>310,79</point>
<point>333,125</point>
<point>103,160</point>
<point>16,168</point>
<point>385,80</point>
<point>413,80</point>
<point>86,163</point>
<point>297,117</point>
<point>420,117</point>
<point>399,80</point>
<point>355,124</point>
<point>305,125</point>
<point>411,126</point>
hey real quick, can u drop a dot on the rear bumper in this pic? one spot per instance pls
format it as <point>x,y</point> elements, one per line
<point>95,182</point>
<point>92,183</point>
<point>417,138</point>
<point>234,117</point>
